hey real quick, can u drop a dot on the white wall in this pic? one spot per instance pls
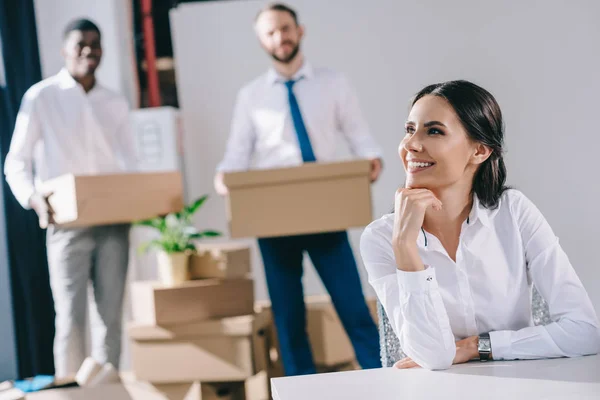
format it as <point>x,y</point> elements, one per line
<point>539,58</point>
<point>114,18</point>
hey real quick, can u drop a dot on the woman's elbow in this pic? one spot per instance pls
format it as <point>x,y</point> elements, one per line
<point>438,364</point>
<point>579,338</point>
<point>590,341</point>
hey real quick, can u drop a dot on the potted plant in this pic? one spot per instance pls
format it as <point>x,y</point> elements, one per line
<point>175,243</point>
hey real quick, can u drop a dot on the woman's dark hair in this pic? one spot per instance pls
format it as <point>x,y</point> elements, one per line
<point>481,117</point>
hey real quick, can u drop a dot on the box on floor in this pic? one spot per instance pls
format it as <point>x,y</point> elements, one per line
<point>329,341</point>
<point>225,350</point>
<point>254,388</point>
<point>274,364</point>
<point>350,366</point>
<point>220,260</point>
<point>311,198</point>
<point>110,199</point>
<point>157,304</point>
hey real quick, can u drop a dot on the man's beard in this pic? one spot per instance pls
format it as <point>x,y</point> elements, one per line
<point>290,57</point>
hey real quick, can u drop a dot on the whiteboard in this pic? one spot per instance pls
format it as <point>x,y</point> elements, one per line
<point>539,58</point>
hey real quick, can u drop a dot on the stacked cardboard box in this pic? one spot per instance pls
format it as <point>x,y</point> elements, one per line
<point>251,389</point>
<point>202,339</point>
<point>331,347</point>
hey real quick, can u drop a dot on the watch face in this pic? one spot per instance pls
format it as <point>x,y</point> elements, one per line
<point>484,344</point>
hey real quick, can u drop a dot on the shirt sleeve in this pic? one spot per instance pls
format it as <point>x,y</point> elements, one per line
<point>412,303</point>
<point>352,123</point>
<point>574,330</point>
<point>240,145</point>
<point>18,167</point>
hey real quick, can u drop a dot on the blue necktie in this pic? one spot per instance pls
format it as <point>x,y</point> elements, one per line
<point>303,139</point>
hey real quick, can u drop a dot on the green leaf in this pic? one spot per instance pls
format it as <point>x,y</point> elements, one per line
<point>192,208</point>
<point>157,223</point>
<point>176,230</point>
<point>210,233</point>
<point>200,235</point>
<point>190,247</point>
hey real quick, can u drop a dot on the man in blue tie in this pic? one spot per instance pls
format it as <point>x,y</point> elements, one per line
<point>291,115</point>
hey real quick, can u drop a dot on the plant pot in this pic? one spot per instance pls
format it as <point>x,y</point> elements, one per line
<point>173,268</point>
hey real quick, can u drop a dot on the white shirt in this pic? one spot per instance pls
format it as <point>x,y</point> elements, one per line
<point>501,253</point>
<point>60,129</point>
<point>262,131</point>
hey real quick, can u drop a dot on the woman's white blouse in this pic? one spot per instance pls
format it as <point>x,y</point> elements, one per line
<point>501,253</point>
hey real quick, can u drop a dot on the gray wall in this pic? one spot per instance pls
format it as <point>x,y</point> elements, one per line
<point>539,58</point>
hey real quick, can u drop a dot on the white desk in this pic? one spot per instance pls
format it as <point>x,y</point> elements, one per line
<point>573,378</point>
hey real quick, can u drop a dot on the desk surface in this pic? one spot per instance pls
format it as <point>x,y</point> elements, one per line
<point>575,378</point>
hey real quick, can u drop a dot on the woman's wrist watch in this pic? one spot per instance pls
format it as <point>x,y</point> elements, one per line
<point>484,346</point>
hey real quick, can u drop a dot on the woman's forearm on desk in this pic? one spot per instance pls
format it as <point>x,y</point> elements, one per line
<point>424,331</point>
<point>565,338</point>
<point>412,303</point>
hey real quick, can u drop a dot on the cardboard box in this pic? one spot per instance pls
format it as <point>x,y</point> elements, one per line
<point>157,304</point>
<point>110,199</point>
<point>255,388</point>
<point>271,363</point>
<point>115,391</point>
<point>230,349</point>
<point>311,198</point>
<point>351,366</point>
<point>220,260</point>
<point>329,341</point>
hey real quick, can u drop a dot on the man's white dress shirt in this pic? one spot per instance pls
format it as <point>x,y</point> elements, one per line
<point>61,129</point>
<point>262,131</point>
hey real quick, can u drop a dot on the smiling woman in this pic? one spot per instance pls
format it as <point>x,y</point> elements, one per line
<point>455,107</point>
<point>454,265</point>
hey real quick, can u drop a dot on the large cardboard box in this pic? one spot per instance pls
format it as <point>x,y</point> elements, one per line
<point>275,364</point>
<point>350,366</point>
<point>225,350</point>
<point>110,199</point>
<point>254,388</point>
<point>329,341</point>
<point>220,260</point>
<point>311,198</point>
<point>114,391</point>
<point>156,304</point>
